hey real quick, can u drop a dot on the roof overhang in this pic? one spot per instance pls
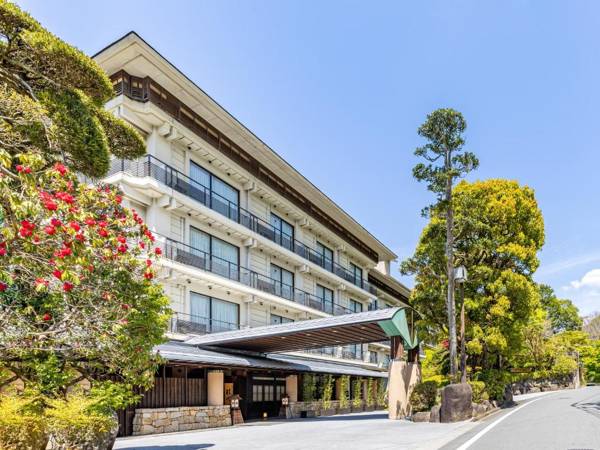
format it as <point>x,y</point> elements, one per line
<point>370,326</point>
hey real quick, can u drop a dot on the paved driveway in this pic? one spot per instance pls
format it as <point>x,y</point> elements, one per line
<point>364,431</point>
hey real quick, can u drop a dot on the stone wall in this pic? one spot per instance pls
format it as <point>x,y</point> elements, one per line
<point>183,418</point>
<point>316,408</point>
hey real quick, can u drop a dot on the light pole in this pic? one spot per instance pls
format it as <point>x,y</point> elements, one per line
<point>460,277</point>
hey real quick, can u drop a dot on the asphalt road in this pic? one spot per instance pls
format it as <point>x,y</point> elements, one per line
<point>564,420</point>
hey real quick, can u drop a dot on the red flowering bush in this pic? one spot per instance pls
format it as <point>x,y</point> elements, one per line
<point>76,278</point>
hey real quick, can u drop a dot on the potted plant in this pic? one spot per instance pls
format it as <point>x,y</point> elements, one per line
<point>357,403</point>
<point>343,394</point>
<point>370,400</point>
<point>328,409</point>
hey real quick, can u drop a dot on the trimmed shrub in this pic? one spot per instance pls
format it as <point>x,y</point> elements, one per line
<point>77,422</point>
<point>370,392</point>
<point>21,423</point>
<point>495,382</point>
<point>479,392</point>
<point>424,396</point>
<point>382,397</point>
<point>309,387</point>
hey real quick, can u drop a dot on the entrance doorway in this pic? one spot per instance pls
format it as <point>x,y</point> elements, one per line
<point>265,393</point>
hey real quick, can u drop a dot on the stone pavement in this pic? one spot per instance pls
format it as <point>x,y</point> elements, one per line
<point>364,431</point>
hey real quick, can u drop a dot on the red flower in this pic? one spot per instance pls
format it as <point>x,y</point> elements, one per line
<point>24,232</point>
<point>2,251</point>
<point>27,224</point>
<point>148,275</point>
<point>103,232</point>
<point>21,168</point>
<point>75,226</point>
<point>63,252</point>
<point>122,239</point>
<point>148,262</point>
<point>158,251</point>
<point>90,222</point>
<point>67,198</point>
<point>80,237</point>
<point>102,224</point>
<point>55,222</point>
<point>67,286</point>
<point>3,286</point>
<point>41,282</point>
<point>90,268</point>
<point>142,245</point>
<point>49,229</point>
<point>46,317</point>
<point>57,273</point>
<point>125,306</point>
<point>149,235</point>
<point>60,168</point>
<point>118,199</point>
<point>122,248</point>
<point>50,205</point>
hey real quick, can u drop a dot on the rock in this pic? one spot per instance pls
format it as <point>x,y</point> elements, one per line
<point>435,414</point>
<point>423,416</point>
<point>534,390</point>
<point>456,403</point>
<point>508,397</point>
<point>479,409</point>
<point>487,405</point>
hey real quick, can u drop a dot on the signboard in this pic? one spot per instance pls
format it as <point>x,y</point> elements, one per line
<point>228,387</point>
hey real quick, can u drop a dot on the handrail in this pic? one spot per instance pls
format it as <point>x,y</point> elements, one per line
<point>193,324</point>
<point>186,254</point>
<point>153,167</point>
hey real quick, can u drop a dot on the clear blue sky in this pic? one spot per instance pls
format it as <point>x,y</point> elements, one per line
<point>339,88</point>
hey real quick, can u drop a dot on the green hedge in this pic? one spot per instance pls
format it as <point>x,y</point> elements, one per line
<point>424,396</point>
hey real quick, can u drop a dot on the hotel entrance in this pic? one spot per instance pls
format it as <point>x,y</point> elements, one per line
<point>264,395</point>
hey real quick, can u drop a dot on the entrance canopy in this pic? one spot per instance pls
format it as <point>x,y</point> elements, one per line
<point>365,327</point>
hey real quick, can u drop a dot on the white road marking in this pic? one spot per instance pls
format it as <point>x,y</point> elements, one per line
<point>475,438</point>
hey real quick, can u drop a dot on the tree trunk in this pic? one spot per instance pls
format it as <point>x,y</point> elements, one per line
<point>463,346</point>
<point>450,306</point>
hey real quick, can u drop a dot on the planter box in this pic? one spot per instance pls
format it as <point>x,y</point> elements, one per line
<point>370,408</point>
<point>344,410</point>
<point>328,412</point>
<point>358,408</point>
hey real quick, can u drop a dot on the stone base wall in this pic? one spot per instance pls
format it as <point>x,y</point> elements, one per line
<point>183,418</point>
<point>317,408</point>
<point>530,387</point>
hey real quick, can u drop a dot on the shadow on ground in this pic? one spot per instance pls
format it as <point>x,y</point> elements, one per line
<point>171,447</point>
<point>338,418</point>
<point>589,407</point>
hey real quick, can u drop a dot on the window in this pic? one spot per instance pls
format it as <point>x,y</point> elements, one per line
<point>353,351</point>
<point>326,255</point>
<point>284,282</point>
<point>278,320</point>
<point>326,295</point>
<point>355,306</point>
<point>224,198</point>
<point>213,313</point>
<point>357,273</point>
<point>284,232</point>
<point>215,254</point>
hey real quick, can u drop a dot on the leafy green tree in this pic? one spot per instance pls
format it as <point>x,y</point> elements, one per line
<point>499,230</point>
<point>52,100</point>
<point>77,295</point>
<point>562,313</point>
<point>446,162</point>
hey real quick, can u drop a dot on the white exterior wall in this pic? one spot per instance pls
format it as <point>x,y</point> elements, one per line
<point>173,219</point>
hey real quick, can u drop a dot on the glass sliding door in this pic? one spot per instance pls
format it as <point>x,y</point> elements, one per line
<point>200,248</point>
<point>284,232</point>
<point>200,312</point>
<point>326,255</point>
<point>358,274</point>
<point>326,296</point>
<point>212,314</point>
<point>284,282</point>
<point>214,192</point>
<point>225,258</point>
<point>224,315</point>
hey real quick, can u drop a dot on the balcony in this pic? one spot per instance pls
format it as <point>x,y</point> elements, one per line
<point>185,254</point>
<point>188,324</point>
<point>152,167</point>
<point>331,352</point>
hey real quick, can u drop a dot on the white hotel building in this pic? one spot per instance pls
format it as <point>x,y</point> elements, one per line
<point>247,240</point>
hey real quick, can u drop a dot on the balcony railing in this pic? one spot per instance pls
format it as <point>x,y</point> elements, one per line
<point>152,167</point>
<point>190,324</point>
<point>352,354</point>
<point>185,254</point>
<point>331,351</point>
<point>373,359</point>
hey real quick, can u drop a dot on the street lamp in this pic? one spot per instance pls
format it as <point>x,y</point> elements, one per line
<point>460,277</point>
